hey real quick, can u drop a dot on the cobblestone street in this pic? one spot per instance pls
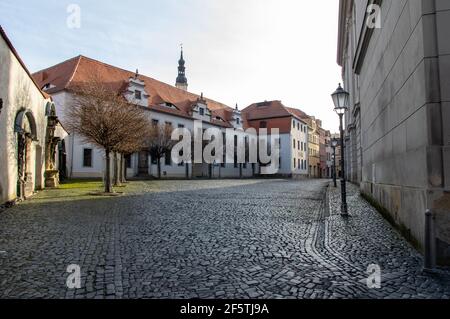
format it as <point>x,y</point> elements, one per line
<point>209,239</point>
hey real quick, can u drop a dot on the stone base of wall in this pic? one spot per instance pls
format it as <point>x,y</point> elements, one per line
<point>441,210</point>
<point>405,208</point>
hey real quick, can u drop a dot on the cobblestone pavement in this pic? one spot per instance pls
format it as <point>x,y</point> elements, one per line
<point>209,239</point>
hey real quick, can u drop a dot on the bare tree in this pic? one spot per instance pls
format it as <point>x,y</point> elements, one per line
<point>102,116</point>
<point>159,142</point>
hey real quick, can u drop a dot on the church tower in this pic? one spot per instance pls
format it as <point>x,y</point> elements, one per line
<point>181,78</point>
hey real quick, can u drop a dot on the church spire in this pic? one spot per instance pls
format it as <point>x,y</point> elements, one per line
<point>181,82</point>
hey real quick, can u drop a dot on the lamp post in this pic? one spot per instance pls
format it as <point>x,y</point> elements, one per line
<point>341,101</point>
<point>334,144</point>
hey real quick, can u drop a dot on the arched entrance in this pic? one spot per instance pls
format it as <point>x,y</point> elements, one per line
<point>25,130</point>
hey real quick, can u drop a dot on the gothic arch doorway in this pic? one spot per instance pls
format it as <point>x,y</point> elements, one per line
<point>25,130</point>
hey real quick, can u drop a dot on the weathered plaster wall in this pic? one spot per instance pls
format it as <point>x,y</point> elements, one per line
<point>18,92</point>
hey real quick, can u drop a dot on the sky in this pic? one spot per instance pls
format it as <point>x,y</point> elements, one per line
<point>236,51</point>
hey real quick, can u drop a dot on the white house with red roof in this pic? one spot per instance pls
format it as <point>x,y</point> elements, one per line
<point>293,132</point>
<point>165,104</point>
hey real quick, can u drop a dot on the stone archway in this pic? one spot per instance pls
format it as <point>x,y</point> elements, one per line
<point>25,129</point>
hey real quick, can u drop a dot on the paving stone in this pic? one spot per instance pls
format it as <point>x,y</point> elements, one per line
<point>209,239</point>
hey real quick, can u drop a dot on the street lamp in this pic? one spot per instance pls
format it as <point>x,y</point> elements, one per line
<point>341,101</point>
<point>334,144</point>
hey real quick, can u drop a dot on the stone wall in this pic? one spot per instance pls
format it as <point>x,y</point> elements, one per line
<point>402,86</point>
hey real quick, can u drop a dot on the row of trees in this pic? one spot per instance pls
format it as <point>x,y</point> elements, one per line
<point>103,117</point>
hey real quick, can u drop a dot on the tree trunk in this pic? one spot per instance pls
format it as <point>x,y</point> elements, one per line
<point>108,186</point>
<point>116,170</point>
<point>159,168</point>
<point>123,170</point>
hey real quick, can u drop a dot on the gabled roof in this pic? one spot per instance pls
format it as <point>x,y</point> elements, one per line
<point>271,109</point>
<point>14,52</point>
<point>298,113</point>
<point>78,70</point>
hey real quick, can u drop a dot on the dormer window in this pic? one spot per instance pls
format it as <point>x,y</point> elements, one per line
<point>238,121</point>
<point>138,95</point>
<point>201,111</point>
<point>47,86</point>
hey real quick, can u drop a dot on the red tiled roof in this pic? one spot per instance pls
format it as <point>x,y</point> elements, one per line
<point>78,70</point>
<point>14,51</point>
<point>298,113</point>
<point>271,109</point>
<point>224,114</point>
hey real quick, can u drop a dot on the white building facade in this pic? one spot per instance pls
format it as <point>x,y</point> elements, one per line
<point>29,130</point>
<point>164,103</point>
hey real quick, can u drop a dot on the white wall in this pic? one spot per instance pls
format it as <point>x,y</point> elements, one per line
<point>18,91</point>
<point>75,146</point>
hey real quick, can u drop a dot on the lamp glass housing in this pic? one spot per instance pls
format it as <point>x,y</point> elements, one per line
<point>334,143</point>
<point>341,100</point>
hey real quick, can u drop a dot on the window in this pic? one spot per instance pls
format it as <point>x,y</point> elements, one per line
<point>298,126</point>
<point>155,122</point>
<point>299,146</point>
<point>294,143</point>
<point>87,157</point>
<point>138,95</point>
<point>224,151</point>
<point>299,164</point>
<point>295,163</point>
<point>293,124</point>
<point>201,111</point>
<point>235,153</point>
<point>180,126</point>
<point>238,121</point>
<point>168,158</point>
<point>181,154</point>
<point>263,124</point>
<point>128,161</point>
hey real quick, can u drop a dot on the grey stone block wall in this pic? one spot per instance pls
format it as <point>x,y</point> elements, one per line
<point>404,92</point>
